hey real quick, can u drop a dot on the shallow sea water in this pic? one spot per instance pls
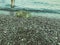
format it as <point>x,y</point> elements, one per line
<point>53,5</point>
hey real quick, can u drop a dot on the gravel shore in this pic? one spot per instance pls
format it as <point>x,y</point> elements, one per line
<point>29,31</point>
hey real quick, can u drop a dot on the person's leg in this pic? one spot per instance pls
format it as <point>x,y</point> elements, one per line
<point>12,3</point>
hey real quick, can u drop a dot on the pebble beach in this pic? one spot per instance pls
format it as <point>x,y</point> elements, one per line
<point>29,31</point>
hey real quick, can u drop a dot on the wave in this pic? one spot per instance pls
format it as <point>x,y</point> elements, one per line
<point>43,7</point>
<point>43,10</point>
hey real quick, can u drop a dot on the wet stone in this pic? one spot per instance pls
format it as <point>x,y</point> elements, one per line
<point>29,31</point>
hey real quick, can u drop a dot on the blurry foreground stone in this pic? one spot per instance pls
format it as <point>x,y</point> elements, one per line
<point>29,31</point>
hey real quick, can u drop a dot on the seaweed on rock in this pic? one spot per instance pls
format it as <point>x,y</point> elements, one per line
<point>24,14</point>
